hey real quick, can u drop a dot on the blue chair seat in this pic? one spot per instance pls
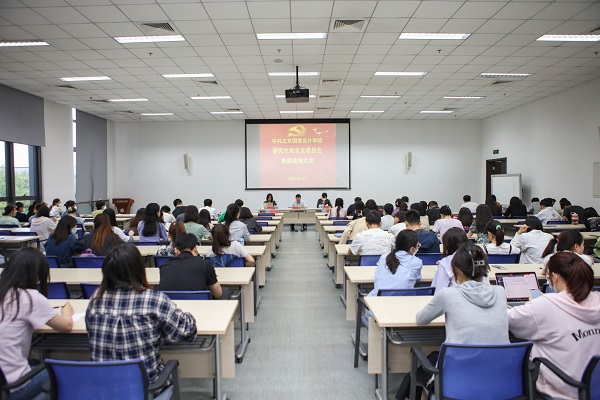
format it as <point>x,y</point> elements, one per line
<point>57,290</point>
<point>88,262</point>
<point>160,260</point>
<point>503,258</point>
<point>430,258</point>
<point>227,260</point>
<point>88,289</point>
<point>188,294</point>
<point>53,261</point>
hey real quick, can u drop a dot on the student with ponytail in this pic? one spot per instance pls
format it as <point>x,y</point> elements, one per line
<point>495,234</point>
<point>564,326</point>
<point>570,240</point>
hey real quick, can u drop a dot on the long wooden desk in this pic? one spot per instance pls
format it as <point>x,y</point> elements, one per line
<point>332,241</point>
<point>299,216</point>
<point>213,318</point>
<point>559,227</point>
<point>20,241</point>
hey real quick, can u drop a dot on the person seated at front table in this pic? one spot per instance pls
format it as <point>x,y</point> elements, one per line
<point>355,226</point>
<point>496,210</point>
<point>297,203</point>
<point>247,218</point>
<point>571,241</point>
<point>100,207</point>
<point>240,204</point>
<point>102,239</point>
<point>223,245</point>
<point>482,218</point>
<point>188,271</point>
<point>516,208</point>
<point>42,224</point>
<point>20,216</point>
<point>24,308</point>
<point>179,208</point>
<point>472,206</point>
<point>563,326</point>
<point>569,210</point>
<point>352,207</point>
<point>547,212</point>
<point>531,240</point>
<point>269,202</point>
<point>323,201</point>
<point>373,241</point>
<point>70,204</point>
<point>427,239</point>
<point>8,218</point>
<point>151,228</point>
<point>62,242</point>
<point>123,301</point>
<point>72,212</point>
<point>387,220</point>
<point>433,211</point>
<point>175,230</point>
<point>56,210</point>
<point>446,222</point>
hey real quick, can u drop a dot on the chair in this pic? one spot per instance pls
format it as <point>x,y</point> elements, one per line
<point>362,320</point>
<point>87,262</point>
<point>262,223</point>
<point>430,258</point>
<point>337,218</point>
<point>503,258</point>
<point>80,230</point>
<point>266,214</point>
<point>263,218</point>
<point>160,260</point>
<point>57,290</point>
<point>340,223</point>
<point>25,233</point>
<point>188,294</point>
<point>369,260</point>
<point>53,261</point>
<point>556,222</point>
<point>476,372</point>
<point>596,289</point>
<point>227,260</point>
<point>115,380</point>
<point>589,386</point>
<point>5,232</point>
<point>5,388</point>
<point>138,243</point>
<point>88,289</point>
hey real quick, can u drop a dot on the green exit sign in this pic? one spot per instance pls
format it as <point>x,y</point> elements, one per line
<point>496,151</point>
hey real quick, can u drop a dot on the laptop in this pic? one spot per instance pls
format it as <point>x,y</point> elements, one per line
<point>517,286</point>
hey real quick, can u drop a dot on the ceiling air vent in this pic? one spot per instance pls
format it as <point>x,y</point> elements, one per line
<point>327,97</point>
<point>332,81</point>
<point>156,28</point>
<point>324,108</point>
<point>501,82</point>
<point>348,25</point>
<point>232,109</point>
<point>99,100</point>
<point>66,87</point>
<point>208,82</point>
<point>125,112</point>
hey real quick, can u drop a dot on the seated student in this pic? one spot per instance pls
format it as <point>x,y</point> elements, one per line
<point>591,219</point>
<point>56,209</point>
<point>240,204</point>
<point>247,218</point>
<point>569,210</point>
<point>72,212</point>
<point>465,217</point>
<point>433,211</point>
<point>204,219</point>
<point>175,230</point>
<point>102,239</point>
<point>238,231</point>
<point>213,211</point>
<point>69,204</point>
<point>269,202</point>
<point>571,241</point>
<point>451,241</point>
<point>187,271</point>
<point>355,227</point>
<point>547,212</point>
<point>563,326</point>
<point>531,240</point>
<point>428,241</point>
<point>475,311</point>
<point>222,244</point>
<point>399,269</point>
<point>535,206</point>
<point>323,201</point>
<point>151,229</point>
<point>496,210</point>
<point>352,207</point>
<point>23,309</point>
<point>20,216</point>
<point>398,226</point>
<point>446,222</point>
<point>179,208</point>
<point>516,208</point>
<point>130,227</point>
<point>125,300</point>
<point>42,224</point>
<point>113,223</point>
<point>387,220</point>
<point>374,240</point>
<point>422,215</point>
<point>359,207</point>
<point>190,220</point>
<point>482,217</point>
<point>338,210</point>
<point>495,234</point>
<point>372,205</point>
<point>8,218</point>
<point>100,207</point>
<point>472,206</point>
<point>62,242</point>
<point>167,217</point>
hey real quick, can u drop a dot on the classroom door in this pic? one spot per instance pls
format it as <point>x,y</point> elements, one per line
<point>493,167</point>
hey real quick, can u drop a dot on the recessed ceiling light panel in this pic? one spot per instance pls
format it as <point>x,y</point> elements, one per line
<point>172,76</point>
<point>503,75</point>
<point>569,38</point>
<point>149,39</point>
<point>22,43</point>
<point>293,74</point>
<point>126,100</point>
<point>210,97</point>
<point>84,78</point>
<point>291,36</point>
<point>434,36</point>
<point>399,73</point>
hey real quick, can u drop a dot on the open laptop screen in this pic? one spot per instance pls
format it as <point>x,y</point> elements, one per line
<point>517,285</point>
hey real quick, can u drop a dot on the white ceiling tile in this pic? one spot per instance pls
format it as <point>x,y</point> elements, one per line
<point>308,49</point>
<point>344,38</point>
<point>373,49</point>
<point>483,39</point>
<point>120,29</point>
<point>103,13</point>
<point>518,10</point>
<point>23,16</point>
<point>269,9</point>
<point>479,9</point>
<point>424,25</point>
<point>407,49</point>
<point>271,26</point>
<point>343,48</point>
<point>574,27</point>
<point>437,9</point>
<point>185,12</point>
<point>227,10</point>
<point>204,40</point>
<point>463,25</point>
<point>102,43</point>
<point>69,44</point>
<point>395,25</point>
<point>212,51</point>
<point>562,11</point>
<point>239,39</point>
<point>144,13</point>
<point>14,33</point>
<point>62,15</point>
<point>391,9</point>
<point>310,25</point>
<point>83,30</point>
<point>516,40</point>
<point>47,32</point>
<point>537,27</point>
<point>353,9</point>
<point>499,26</point>
<point>311,9</point>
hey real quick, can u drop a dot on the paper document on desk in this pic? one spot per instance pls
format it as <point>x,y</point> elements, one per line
<point>77,316</point>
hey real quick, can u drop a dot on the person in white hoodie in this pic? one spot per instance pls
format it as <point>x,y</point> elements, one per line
<point>547,212</point>
<point>531,240</point>
<point>564,326</point>
<point>43,225</point>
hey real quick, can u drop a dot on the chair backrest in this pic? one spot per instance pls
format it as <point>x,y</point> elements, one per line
<point>160,260</point>
<point>266,214</point>
<point>227,260</point>
<point>88,262</point>
<point>138,243</point>
<point>25,233</point>
<point>57,290</point>
<point>188,294</point>
<point>9,226</point>
<point>368,260</point>
<point>5,232</point>
<point>474,372</point>
<point>340,223</point>
<point>591,378</point>
<point>430,258</point>
<point>88,289</point>
<point>262,223</point>
<point>503,258</point>
<point>264,218</point>
<point>596,289</point>
<point>416,291</point>
<point>53,261</point>
<point>115,380</point>
<point>337,218</point>
<point>556,222</point>
<point>80,231</point>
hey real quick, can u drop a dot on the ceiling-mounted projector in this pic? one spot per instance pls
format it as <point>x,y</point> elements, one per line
<point>296,94</point>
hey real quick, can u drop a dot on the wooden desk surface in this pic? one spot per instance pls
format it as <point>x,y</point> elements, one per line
<point>333,228</point>
<point>400,311</point>
<point>255,251</point>
<point>557,227</point>
<point>212,316</point>
<point>268,229</point>
<point>74,276</point>
<point>333,238</point>
<point>18,239</point>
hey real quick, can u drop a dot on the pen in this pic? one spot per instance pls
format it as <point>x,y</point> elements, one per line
<point>58,306</point>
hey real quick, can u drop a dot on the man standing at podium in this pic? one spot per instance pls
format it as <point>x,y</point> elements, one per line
<point>296,204</point>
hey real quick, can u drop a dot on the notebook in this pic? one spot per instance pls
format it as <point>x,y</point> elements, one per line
<point>517,286</point>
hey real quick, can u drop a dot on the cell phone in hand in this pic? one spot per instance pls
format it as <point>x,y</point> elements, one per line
<point>535,293</point>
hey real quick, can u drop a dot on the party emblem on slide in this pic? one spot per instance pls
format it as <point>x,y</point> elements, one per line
<point>296,131</point>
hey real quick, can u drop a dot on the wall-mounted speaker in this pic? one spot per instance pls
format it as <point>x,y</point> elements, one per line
<point>409,160</point>
<point>186,162</point>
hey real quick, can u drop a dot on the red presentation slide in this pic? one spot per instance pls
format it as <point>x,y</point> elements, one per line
<point>297,155</point>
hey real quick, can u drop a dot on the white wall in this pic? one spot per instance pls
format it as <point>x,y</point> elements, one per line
<point>552,142</point>
<point>148,162</point>
<point>57,156</point>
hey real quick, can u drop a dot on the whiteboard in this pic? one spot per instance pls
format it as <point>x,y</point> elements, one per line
<point>506,186</point>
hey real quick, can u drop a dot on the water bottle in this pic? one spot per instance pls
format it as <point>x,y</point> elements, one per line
<point>574,218</point>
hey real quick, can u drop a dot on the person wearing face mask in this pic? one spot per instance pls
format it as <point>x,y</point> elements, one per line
<point>62,242</point>
<point>57,209</point>
<point>567,241</point>
<point>563,326</point>
<point>72,212</point>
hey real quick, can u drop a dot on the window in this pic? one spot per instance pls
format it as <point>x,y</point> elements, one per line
<point>20,174</point>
